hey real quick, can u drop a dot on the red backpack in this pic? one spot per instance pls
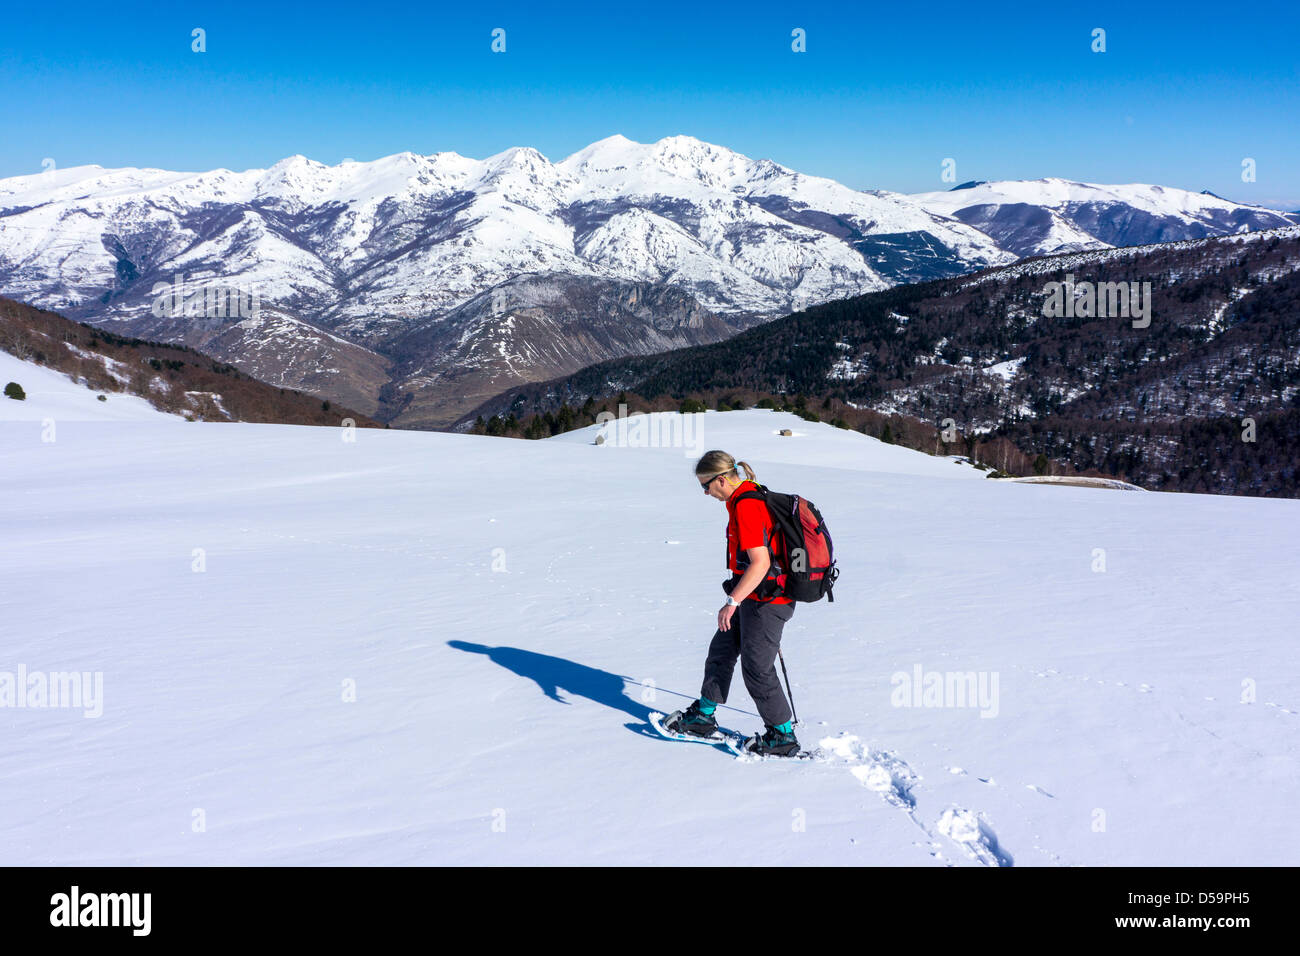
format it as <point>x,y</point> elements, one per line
<point>803,559</point>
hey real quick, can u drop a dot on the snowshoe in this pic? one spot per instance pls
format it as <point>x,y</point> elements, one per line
<point>691,721</point>
<point>773,743</point>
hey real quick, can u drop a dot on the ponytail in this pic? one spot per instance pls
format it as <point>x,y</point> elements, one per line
<point>714,463</point>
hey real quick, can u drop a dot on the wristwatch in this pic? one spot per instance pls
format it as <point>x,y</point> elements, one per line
<point>732,602</point>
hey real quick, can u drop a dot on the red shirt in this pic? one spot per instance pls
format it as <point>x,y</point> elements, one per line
<point>748,526</point>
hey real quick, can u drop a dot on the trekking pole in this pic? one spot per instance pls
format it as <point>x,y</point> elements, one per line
<point>794,713</point>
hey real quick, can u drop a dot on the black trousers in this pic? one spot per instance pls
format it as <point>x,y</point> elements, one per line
<point>754,638</point>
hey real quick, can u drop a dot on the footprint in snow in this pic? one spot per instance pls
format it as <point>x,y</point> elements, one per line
<point>880,770</point>
<point>974,835</point>
<point>888,776</point>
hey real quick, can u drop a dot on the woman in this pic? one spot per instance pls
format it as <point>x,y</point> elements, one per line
<point>749,626</point>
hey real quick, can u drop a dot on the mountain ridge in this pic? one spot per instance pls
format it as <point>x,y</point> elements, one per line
<point>350,261</point>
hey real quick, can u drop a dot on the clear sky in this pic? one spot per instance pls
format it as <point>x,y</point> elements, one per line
<point>885,92</point>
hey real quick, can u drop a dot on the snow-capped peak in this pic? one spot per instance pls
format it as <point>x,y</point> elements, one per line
<point>1083,216</point>
<point>370,250</point>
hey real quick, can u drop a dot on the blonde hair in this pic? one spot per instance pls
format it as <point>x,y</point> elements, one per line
<point>714,463</point>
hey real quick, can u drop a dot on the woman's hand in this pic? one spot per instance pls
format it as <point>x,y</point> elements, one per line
<point>759,562</point>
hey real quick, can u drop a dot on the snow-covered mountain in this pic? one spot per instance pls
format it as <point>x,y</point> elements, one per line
<point>370,252</point>
<point>281,638</point>
<point>1046,216</point>
<point>348,261</point>
<point>367,248</point>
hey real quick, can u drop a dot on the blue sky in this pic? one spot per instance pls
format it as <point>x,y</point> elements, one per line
<point>884,93</point>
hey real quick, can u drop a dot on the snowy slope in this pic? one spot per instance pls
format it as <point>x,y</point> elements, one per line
<point>500,715</point>
<point>53,395</point>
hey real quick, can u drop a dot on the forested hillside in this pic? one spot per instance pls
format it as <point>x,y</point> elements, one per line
<point>1197,394</point>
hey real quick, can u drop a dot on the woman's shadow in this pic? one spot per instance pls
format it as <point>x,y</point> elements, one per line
<point>551,674</point>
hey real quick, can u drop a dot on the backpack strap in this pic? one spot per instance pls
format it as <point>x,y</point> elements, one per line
<point>768,587</point>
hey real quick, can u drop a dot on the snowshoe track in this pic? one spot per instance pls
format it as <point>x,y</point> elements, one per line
<point>888,774</point>
<point>973,834</point>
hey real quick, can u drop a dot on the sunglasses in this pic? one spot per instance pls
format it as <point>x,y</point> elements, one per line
<point>705,484</point>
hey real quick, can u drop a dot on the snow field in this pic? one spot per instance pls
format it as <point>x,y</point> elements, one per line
<point>436,648</point>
